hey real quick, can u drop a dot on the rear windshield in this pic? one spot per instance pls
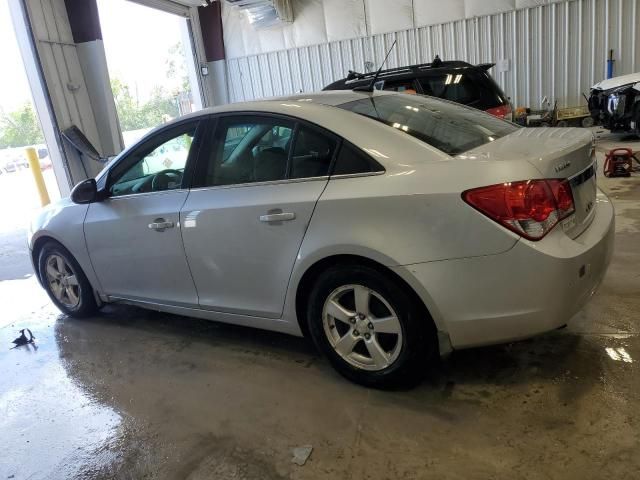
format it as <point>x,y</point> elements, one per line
<point>444,125</point>
<point>468,87</point>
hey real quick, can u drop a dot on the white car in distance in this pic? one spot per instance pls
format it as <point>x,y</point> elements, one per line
<point>386,226</point>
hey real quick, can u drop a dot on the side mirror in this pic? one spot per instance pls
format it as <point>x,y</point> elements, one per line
<point>85,192</point>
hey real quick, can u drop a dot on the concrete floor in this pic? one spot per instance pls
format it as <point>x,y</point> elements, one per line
<point>134,394</point>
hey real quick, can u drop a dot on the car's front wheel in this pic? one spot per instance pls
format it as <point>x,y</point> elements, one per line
<point>369,327</point>
<point>65,282</point>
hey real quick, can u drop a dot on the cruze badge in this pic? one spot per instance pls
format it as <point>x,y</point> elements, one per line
<point>562,166</point>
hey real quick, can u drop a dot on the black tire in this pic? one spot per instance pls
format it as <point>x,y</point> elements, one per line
<point>419,339</point>
<point>636,118</point>
<point>86,304</point>
<point>587,122</point>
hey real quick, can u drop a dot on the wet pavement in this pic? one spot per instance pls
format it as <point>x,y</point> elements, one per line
<point>133,394</point>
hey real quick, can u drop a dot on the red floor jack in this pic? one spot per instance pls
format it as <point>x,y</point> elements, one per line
<point>619,163</point>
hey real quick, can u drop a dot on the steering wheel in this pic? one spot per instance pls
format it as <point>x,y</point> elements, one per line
<point>161,179</point>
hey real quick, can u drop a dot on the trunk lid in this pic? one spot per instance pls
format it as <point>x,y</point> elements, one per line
<point>565,153</point>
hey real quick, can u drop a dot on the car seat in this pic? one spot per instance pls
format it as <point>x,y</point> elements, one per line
<point>270,164</point>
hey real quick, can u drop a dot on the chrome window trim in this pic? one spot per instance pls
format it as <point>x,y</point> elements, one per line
<point>356,175</point>
<point>260,184</point>
<point>290,180</point>
<point>144,194</point>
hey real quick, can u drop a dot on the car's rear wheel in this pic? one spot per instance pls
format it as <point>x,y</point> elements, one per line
<point>372,331</point>
<point>65,282</point>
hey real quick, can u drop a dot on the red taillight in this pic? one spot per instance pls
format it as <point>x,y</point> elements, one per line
<point>531,208</point>
<point>503,111</point>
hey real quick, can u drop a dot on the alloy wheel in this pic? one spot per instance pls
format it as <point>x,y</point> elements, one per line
<point>362,327</point>
<point>62,281</point>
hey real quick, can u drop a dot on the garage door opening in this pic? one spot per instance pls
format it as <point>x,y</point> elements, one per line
<point>151,65</point>
<point>19,129</point>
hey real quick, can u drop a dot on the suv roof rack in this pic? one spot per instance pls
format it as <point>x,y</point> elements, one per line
<point>355,76</point>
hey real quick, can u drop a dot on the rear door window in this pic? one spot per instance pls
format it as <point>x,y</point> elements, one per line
<point>255,148</point>
<point>312,153</point>
<point>351,160</point>
<point>248,149</point>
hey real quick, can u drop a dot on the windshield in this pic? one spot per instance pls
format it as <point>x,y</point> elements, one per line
<point>444,125</point>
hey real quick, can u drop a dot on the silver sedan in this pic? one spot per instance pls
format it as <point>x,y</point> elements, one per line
<point>387,227</point>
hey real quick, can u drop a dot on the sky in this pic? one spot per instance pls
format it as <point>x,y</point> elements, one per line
<point>14,88</point>
<point>136,40</point>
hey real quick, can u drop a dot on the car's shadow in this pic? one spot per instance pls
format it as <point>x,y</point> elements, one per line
<point>549,357</point>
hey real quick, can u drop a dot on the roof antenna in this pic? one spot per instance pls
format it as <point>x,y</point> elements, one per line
<point>369,88</point>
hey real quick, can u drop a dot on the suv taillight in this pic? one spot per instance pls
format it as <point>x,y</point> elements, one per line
<point>530,208</point>
<point>503,111</point>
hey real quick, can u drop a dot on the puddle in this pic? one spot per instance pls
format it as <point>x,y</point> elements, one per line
<point>50,426</point>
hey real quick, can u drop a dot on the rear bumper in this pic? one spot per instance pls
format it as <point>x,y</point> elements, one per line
<point>533,288</point>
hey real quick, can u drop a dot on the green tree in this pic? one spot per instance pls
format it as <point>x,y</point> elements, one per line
<point>20,128</point>
<point>160,106</point>
<point>176,64</point>
<point>126,106</point>
<point>134,115</point>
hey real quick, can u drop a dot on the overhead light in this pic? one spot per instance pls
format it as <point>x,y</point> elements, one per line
<point>265,13</point>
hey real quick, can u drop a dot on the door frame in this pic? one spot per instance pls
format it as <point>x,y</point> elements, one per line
<point>193,42</point>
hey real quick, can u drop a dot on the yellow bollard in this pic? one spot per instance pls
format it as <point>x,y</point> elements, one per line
<point>34,165</point>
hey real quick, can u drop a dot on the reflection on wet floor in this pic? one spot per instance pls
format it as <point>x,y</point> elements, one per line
<point>49,425</point>
<point>619,354</point>
<point>162,396</point>
<point>138,394</point>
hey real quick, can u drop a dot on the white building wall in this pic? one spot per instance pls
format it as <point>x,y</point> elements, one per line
<point>557,49</point>
<point>320,21</point>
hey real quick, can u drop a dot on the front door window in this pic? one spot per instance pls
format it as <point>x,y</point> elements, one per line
<point>155,166</point>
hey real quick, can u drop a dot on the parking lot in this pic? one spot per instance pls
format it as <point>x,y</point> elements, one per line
<point>137,394</point>
<point>19,202</point>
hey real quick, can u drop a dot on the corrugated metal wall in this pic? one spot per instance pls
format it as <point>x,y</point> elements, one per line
<point>558,50</point>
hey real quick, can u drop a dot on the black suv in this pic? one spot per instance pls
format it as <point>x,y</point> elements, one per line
<point>457,81</point>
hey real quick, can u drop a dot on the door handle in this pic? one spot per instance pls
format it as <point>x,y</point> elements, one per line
<point>277,217</point>
<point>160,225</point>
